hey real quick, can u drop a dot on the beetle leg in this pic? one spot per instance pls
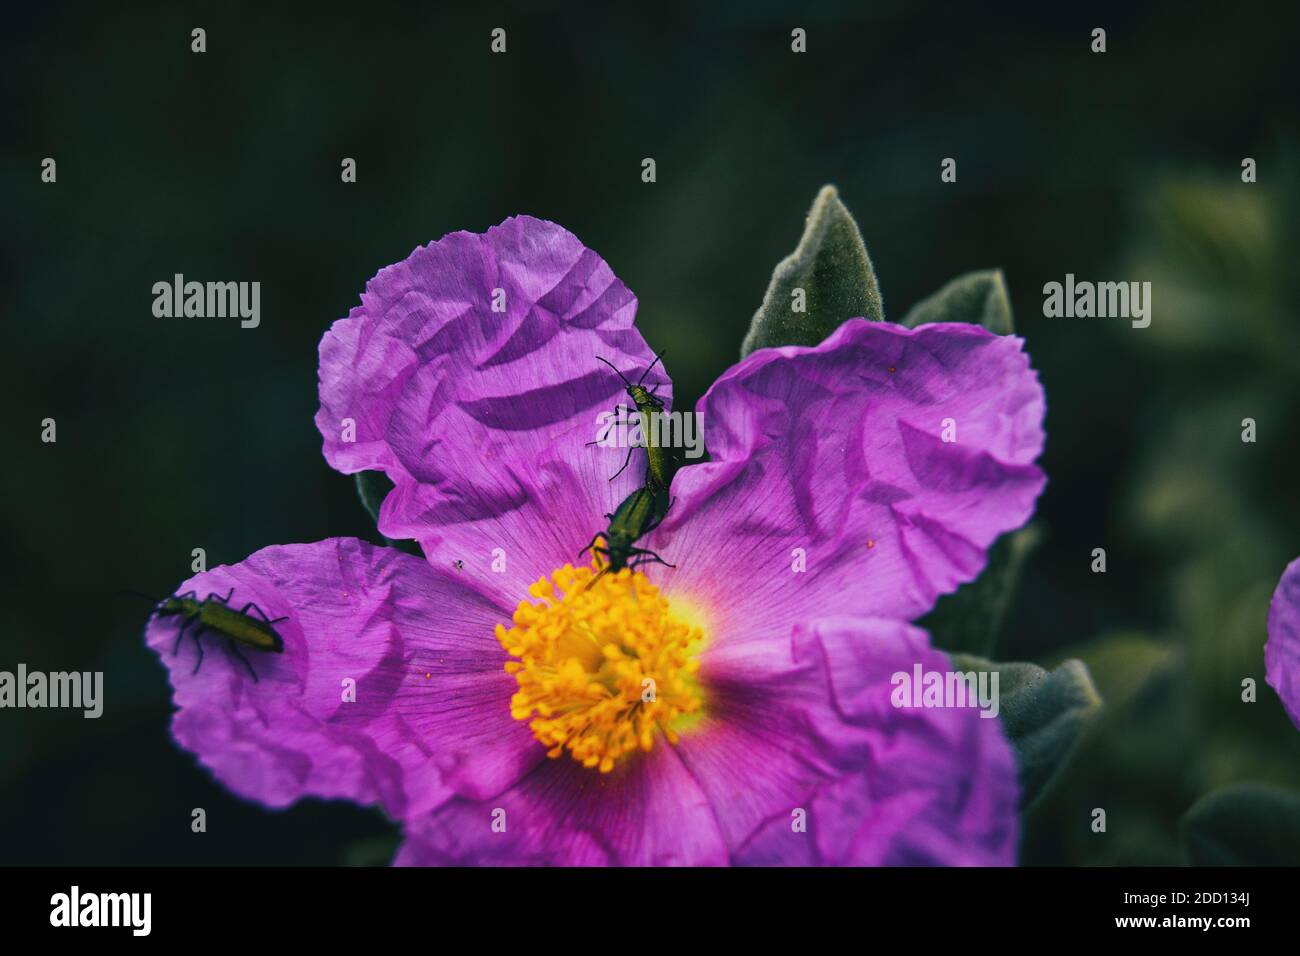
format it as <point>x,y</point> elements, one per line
<point>597,577</point>
<point>598,440</point>
<point>244,610</point>
<point>243,660</point>
<point>626,461</point>
<point>648,557</point>
<point>199,645</point>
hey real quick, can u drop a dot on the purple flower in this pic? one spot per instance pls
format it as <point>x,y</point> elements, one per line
<point>508,708</point>
<point>1282,652</point>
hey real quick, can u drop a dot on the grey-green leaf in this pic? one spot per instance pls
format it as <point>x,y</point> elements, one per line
<point>979,298</point>
<point>1044,714</point>
<point>969,621</point>
<point>372,851</point>
<point>829,270</point>
<point>372,488</point>
<point>1243,825</point>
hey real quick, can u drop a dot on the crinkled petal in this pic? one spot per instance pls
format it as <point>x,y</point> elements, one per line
<point>1282,652</point>
<point>430,715</point>
<point>832,487</point>
<point>470,376</point>
<point>555,514</point>
<point>647,812</point>
<point>807,761</point>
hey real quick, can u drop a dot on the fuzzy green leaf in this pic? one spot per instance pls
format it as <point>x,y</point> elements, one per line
<point>979,298</point>
<point>1044,714</point>
<point>832,268</point>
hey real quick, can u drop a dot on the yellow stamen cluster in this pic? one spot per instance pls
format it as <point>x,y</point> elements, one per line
<point>601,663</point>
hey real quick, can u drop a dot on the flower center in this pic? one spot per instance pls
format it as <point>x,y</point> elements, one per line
<point>601,663</point>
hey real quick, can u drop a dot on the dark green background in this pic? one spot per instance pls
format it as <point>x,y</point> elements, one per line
<point>175,434</point>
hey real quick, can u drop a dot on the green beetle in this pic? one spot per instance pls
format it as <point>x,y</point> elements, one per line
<point>639,514</point>
<point>659,463</point>
<point>215,614</point>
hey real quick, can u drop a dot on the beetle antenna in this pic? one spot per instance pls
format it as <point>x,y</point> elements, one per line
<point>615,368</point>
<point>658,356</point>
<point>156,602</point>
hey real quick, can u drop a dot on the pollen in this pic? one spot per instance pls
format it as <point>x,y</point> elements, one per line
<point>603,665</point>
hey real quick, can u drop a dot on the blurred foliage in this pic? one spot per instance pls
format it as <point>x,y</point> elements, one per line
<point>1244,826</point>
<point>972,618</point>
<point>1219,519</point>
